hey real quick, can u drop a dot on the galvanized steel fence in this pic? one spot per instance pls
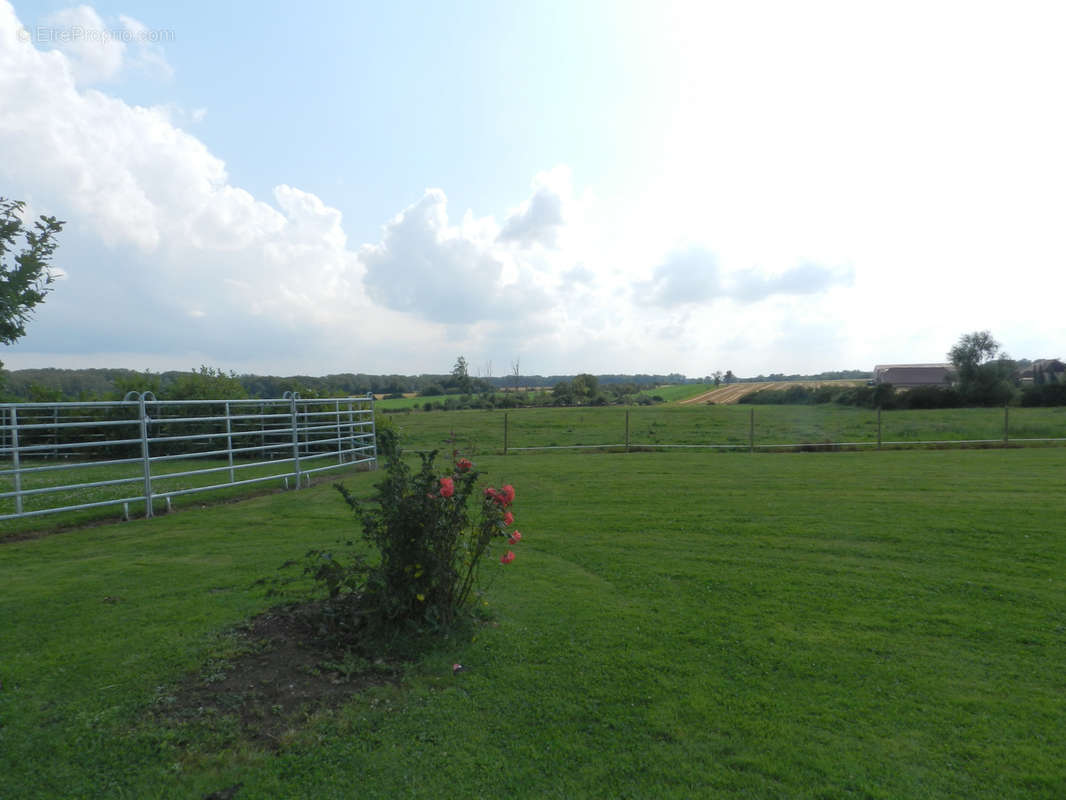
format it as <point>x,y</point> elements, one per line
<point>154,445</point>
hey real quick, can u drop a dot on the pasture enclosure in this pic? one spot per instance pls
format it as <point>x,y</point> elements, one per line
<point>726,427</point>
<point>141,451</point>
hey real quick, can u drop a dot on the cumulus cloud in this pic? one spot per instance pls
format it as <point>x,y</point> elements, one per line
<point>749,286</point>
<point>689,276</point>
<point>97,51</point>
<point>155,218</point>
<point>693,276</point>
<point>444,273</point>
<point>539,220</point>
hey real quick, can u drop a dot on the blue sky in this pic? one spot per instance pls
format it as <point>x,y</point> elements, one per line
<point>602,187</point>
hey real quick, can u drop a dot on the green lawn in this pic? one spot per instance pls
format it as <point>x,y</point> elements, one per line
<point>482,432</point>
<point>682,624</point>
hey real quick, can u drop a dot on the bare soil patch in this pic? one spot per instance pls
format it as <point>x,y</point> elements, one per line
<point>279,679</point>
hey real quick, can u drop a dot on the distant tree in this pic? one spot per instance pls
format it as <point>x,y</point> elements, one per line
<point>515,373</point>
<point>207,383</point>
<point>431,390</point>
<point>585,387</point>
<point>461,376</point>
<point>729,377</point>
<point>25,277</point>
<point>717,378</point>
<point>982,371</point>
<point>563,393</point>
<point>971,351</point>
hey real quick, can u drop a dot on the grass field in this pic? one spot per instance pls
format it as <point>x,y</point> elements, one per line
<point>874,625</point>
<point>483,431</point>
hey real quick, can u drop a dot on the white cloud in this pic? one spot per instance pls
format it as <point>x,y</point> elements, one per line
<point>170,237</point>
<point>689,276</point>
<point>750,285</point>
<point>98,52</point>
<point>540,219</point>
<point>444,273</point>
<point>78,33</point>
<point>693,277</point>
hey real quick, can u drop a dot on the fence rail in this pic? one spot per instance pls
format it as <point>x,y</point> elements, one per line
<point>169,448</point>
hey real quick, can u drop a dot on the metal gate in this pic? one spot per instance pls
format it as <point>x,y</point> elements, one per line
<point>68,456</point>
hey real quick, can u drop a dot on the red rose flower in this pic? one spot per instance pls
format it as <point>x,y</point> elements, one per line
<point>508,494</point>
<point>463,464</point>
<point>507,557</point>
<point>447,487</point>
<point>515,537</point>
<point>508,518</point>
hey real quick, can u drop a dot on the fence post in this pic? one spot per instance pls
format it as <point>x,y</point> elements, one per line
<point>351,431</point>
<point>229,444</point>
<point>291,397</point>
<point>145,457</point>
<point>627,430</point>
<point>1005,434</point>
<point>751,431</point>
<point>505,433</point>
<point>373,431</point>
<point>340,439</point>
<point>15,459</point>
<point>879,427</point>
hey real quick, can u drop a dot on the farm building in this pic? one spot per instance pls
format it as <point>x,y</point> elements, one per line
<point>1050,368</point>
<point>909,376</point>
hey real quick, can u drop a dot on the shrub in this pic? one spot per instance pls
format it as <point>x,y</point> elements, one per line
<point>429,545</point>
<point>1045,394</point>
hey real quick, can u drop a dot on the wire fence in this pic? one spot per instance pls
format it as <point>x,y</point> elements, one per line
<point>751,443</point>
<point>57,457</point>
<point>720,428</point>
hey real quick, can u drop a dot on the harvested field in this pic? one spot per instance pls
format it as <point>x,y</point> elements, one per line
<point>725,395</point>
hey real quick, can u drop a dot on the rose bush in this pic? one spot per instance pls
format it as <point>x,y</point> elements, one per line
<point>429,543</point>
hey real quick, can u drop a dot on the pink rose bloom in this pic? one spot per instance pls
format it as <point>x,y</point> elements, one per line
<point>447,487</point>
<point>507,557</point>
<point>463,464</point>
<point>508,518</point>
<point>508,494</point>
<point>515,537</point>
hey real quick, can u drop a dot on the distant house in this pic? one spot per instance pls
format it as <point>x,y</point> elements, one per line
<point>909,376</point>
<point>1049,367</point>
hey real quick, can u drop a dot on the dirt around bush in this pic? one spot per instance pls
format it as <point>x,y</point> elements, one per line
<point>278,680</point>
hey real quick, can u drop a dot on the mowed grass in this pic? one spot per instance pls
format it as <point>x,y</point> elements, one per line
<point>675,625</point>
<point>483,431</point>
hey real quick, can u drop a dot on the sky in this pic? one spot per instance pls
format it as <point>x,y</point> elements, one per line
<point>604,187</point>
